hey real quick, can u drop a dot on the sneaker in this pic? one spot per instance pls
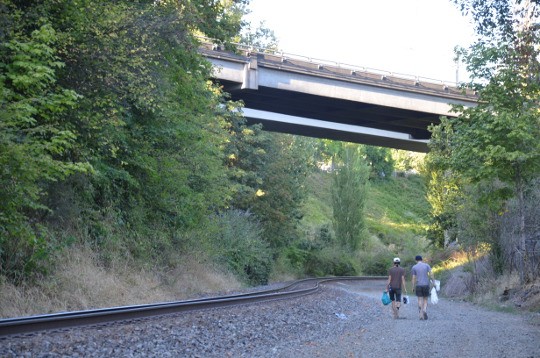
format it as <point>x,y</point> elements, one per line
<point>425,315</point>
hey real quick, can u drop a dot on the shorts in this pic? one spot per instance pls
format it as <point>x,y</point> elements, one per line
<point>422,291</point>
<point>395,294</point>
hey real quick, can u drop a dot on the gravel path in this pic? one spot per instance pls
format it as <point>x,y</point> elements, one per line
<point>345,320</point>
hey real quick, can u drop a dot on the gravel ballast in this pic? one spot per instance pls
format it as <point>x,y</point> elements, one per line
<point>344,320</point>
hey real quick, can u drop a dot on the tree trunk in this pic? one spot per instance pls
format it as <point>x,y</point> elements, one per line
<point>522,235</point>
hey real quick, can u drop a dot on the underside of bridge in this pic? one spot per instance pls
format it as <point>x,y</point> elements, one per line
<point>412,123</point>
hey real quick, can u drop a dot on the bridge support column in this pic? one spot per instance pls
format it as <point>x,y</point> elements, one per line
<point>250,76</point>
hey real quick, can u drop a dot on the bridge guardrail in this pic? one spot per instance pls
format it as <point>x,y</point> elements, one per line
<point>417,80</point>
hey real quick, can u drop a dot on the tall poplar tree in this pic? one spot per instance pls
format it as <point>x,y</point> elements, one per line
<point>351,175</point>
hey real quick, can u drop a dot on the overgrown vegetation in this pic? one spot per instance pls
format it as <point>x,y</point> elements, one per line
<point>113,137</point>
<point>396,214</point>
<point>120,158</point>
<point>485,163</point>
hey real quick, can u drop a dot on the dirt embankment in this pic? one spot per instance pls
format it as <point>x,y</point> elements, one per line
<point>501,292</point>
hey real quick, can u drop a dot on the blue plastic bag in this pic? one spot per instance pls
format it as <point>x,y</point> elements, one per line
<point>385,298</point>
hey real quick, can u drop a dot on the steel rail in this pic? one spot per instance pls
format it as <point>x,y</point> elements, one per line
<point>22,325</point>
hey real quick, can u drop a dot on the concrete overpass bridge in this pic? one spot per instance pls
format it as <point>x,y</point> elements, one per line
<point>297,95</point>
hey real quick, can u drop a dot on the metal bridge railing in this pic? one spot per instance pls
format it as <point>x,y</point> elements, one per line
<point>322,62</point>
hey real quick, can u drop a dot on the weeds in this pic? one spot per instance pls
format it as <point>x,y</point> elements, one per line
<point>81,282</point>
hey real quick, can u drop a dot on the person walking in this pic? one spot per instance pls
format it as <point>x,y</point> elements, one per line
<point>395,285</point>
<point>421,275</point>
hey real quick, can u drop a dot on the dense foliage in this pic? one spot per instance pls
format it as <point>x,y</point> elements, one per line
<point>485,163</point>
<point>113,136</point>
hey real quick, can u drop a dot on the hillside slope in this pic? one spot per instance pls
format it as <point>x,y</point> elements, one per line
<point>396,212</point>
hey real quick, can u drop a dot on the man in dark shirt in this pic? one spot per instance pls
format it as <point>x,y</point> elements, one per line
<point>395,284</point>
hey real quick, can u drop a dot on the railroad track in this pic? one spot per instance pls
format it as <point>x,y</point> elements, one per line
<point>56,321</point>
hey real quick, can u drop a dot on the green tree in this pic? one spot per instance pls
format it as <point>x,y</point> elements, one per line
<point>261,38</point>
<point>495,143</point>
<point>406,161</point>
<point>379,160</point>
<point>146,122</point>
<point>238,244</point>
<point>444,189</point>
<point>33,139</point>
<point>142,114</point>
<point>349,196</point>
<point>288,160</point>
<point>245,156</point>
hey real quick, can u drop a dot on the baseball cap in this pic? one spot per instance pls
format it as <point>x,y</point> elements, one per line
<point>397,260</point>
<point>418,258</point>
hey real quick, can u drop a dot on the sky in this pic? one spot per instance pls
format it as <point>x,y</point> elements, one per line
<point>411,37</point>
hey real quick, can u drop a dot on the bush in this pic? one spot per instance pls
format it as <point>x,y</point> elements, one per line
<point>375,262</point>
<point>296,257</point>
<point>329,262</point>
<point>24,253</point>
<point>235,241</point>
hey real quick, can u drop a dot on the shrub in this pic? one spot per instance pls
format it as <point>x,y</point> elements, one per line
<point>329,262</point>
<point>297,257</point>
<point>235,241</point>
<point>375,262</point>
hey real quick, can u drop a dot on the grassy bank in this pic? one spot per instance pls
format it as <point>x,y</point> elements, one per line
<point>396,214</point>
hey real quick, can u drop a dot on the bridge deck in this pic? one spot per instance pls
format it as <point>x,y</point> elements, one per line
<point>343,95</point>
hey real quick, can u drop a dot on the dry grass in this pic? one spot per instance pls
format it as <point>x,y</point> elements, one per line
<point>79,282</point>
<point>506,293</point>
<point>490,291</point>
<point>460,258</point>
<point>477,282</point>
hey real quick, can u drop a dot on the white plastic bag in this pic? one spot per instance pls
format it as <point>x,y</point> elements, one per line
<point>437,285</point>
<point>434,297</point>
